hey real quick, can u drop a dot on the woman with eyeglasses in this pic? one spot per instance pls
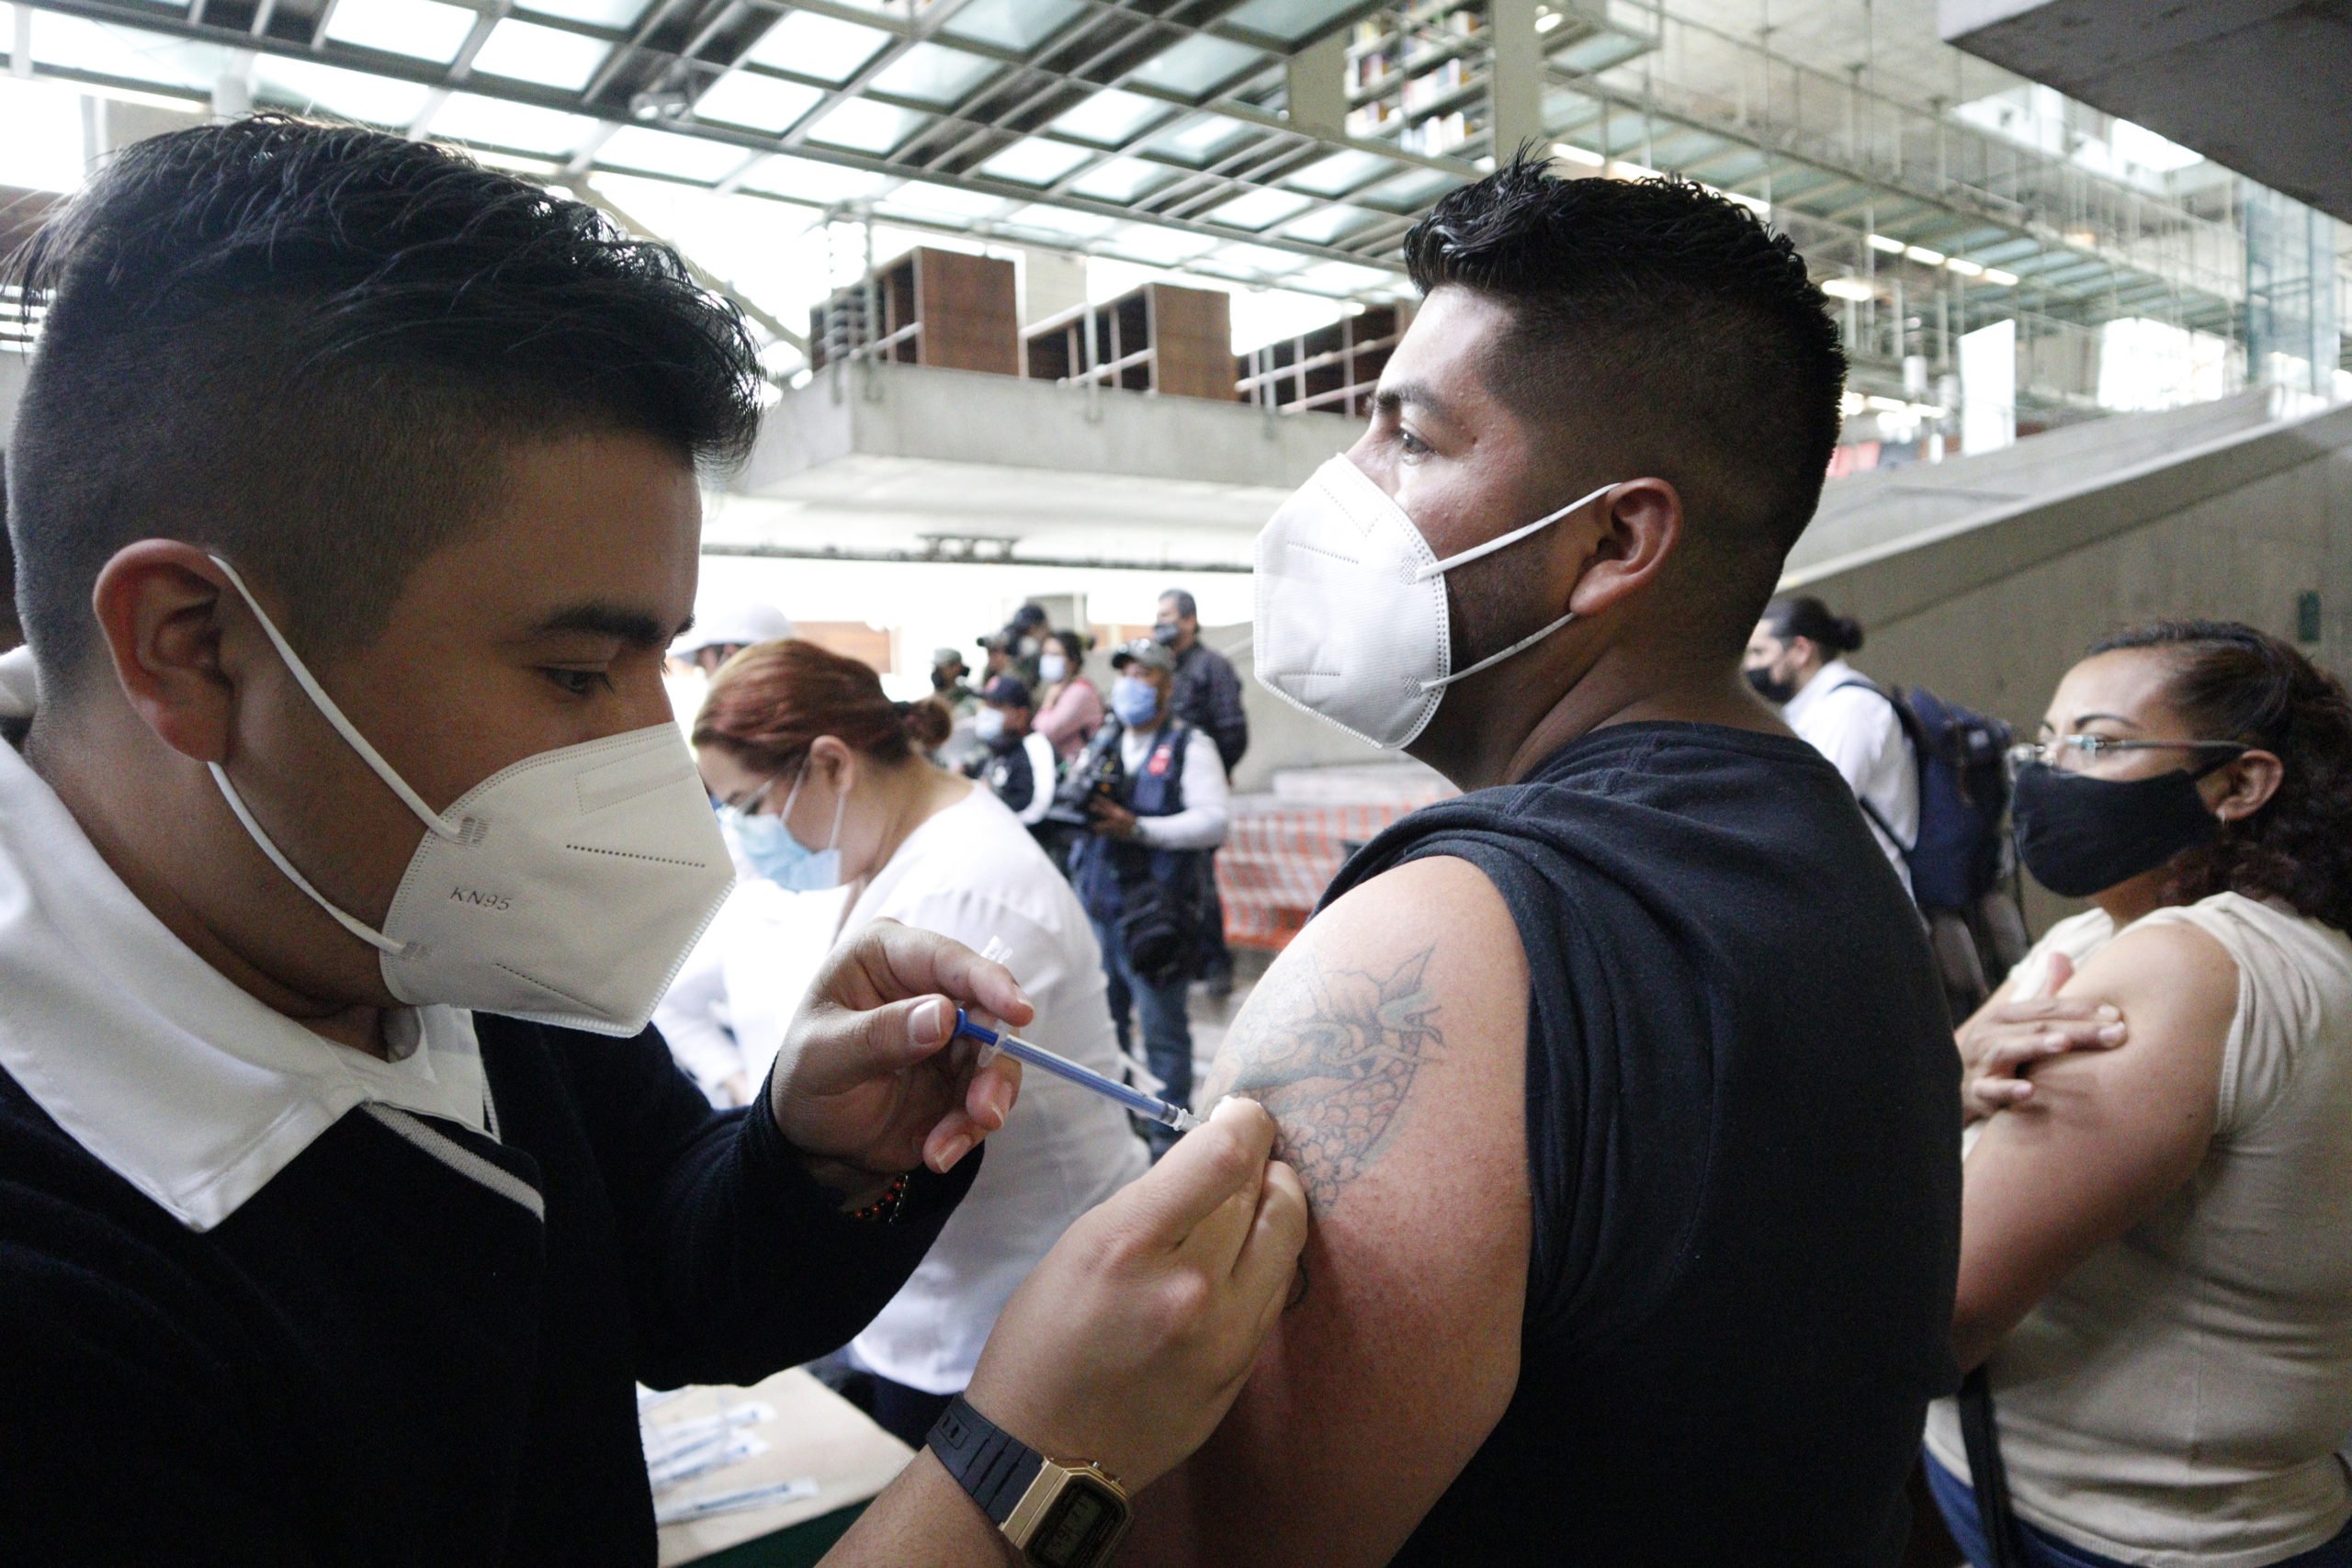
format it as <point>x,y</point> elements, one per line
<point>826,784</point>
<point>2157,1236</point>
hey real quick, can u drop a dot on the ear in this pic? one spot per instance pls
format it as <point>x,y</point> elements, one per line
<point>1638,525</point>
<point>833,763</point>
<point>160,605</point>
<point>2246,785</point>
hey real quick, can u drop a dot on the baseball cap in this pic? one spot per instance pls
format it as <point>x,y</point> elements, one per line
<point>1146,652</point>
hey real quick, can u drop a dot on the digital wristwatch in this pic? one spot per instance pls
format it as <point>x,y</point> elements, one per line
<point>1058,1516</point>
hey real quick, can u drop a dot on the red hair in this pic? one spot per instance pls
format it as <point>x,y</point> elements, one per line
<point>769,703</point>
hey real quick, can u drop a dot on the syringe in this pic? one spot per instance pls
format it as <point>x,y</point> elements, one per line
<point>1134,1100</point>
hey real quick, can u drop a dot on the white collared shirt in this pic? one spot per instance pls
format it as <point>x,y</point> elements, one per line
<point>1857,730</point>
<point>158,1065</point>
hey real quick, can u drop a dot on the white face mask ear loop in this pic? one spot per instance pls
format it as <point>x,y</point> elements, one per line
<point>1522,646</point>
<point>1503,541</point>
<point>357,928</point>
<point>334,715</point>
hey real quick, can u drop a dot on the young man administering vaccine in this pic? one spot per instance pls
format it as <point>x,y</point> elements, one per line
<point>346,844</point>
<point>1621,1086</point>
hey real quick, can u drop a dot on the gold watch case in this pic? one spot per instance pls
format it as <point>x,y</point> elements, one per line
<point>1043,1513</point>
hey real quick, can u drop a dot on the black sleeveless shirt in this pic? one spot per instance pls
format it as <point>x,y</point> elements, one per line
<point>1742,1144</point>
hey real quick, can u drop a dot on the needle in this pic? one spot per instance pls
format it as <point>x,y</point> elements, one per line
<point>1134,1100</point>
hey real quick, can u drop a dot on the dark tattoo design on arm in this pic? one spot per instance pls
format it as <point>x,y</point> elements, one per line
<point>1332,1053</point>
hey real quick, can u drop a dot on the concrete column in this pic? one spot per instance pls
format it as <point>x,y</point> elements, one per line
<point>1517,89</point>
<point>1319,85</point>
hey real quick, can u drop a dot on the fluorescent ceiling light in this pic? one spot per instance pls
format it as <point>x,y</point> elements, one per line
<point>1963,266</point>
<point>1851,405</point>
<point>526,52</point>
<point>1620,169</point>
<point>1848,288</point>
<point>1548,20</point>
<point>665,152</point>
<point>490,122</point>
<point>1886,243</point>
<point>308,85</point>
<point>1999,279</point>
<point>1260,209</point>
<point>817,184</point>
<point>1339,173</point>
<point>864,126</point>
<point>423,30</point>
<point>761,102</point>
<point>1034,161</point>
<point>1886,405</point>
<point>932,74</point>
<point>1061,220</point>
<point>1923,255</point>
<point>809,45</point>
<point>1112,117</point>
<point>1576,154</point>
<point>1122,179</point>
<point>595,13</point>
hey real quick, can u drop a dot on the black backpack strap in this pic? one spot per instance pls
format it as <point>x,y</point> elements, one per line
<point>1908,722</point>
<point>1982,1436</point>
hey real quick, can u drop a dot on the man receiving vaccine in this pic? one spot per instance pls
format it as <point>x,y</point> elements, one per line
<point>346,844</point>
<point>1621,1086</point>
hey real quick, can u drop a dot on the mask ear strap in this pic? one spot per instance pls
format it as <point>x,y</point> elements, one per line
<point>334,715</point>
<point>1503,541</point>
<point>1522,646</point>
<point>841,805</point>
<point>357,927</point>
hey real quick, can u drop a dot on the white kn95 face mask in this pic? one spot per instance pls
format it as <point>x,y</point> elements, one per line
<point>565,889</point>
<point>1351,622</point>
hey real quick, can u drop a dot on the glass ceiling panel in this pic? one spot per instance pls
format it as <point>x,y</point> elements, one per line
<point>423,29</point>
<point>1330,224</point>
<point>528,52</point>
<point>1259,259</point>
<point>1340,173</point>
<point>1110,118</point>
<point>1200,140</point>
<point>620,14</point>
<point>1259,209</point>
<point>663,152</point>
<point>490,122</point>
<point>809,45</point>
<point>1199,64</point>
<point>1408,191</point>
<point>1122,179</point>
<point>1061,221</point>
<point>1149,242</point>
<point>1020,24</point>
<point>1293,21</point>
<point>306,86</point>
<point>931,74</point>
<point>864,126</point>
<point>70,43</point>
<point>1035,162</point>
<point>820,185</point>
<point>761,102</point>
<point>920,199</point>
<point>1347,277</point>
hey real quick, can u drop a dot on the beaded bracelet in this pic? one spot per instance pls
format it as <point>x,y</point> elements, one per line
<point>886,1207</point>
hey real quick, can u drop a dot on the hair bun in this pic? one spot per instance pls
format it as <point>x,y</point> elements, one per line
<point>1849,633</point>
<point>927,723</point>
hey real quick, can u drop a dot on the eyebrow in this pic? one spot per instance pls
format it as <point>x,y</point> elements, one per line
<point>1418,393</point>
<point>600,618</point>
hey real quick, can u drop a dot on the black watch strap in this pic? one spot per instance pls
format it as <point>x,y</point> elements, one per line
<point>988,1463</point>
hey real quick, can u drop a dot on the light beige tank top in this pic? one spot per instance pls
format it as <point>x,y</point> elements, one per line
<point>2178,1399</point>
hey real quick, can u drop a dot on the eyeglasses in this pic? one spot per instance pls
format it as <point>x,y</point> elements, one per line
<point>749,804</point>
<point>2094,747</point>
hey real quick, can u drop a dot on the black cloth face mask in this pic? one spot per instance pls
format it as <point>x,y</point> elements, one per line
<point>1777,693</point>
<point>2080,835</point>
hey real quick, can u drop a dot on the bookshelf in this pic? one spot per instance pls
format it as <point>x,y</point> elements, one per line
<point>937,307</point>
<point>1159,338</point>
<point>1333,368</point>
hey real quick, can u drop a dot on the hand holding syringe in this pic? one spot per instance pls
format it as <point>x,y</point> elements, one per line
<point>1134,1100</point>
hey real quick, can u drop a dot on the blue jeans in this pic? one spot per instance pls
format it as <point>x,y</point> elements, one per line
<point>1957,1502</point>
<point>1167,1028</point>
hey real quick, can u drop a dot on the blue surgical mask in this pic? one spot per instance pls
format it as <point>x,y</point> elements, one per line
<point>1052,667</point>
<point>768,844</point>
<point>1135,700</point>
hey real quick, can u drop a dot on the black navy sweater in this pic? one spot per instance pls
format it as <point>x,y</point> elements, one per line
<point>415,1345</point>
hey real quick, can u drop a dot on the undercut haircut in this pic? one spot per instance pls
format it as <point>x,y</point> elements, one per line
<point>310,349</point>
<point>1666,331</point>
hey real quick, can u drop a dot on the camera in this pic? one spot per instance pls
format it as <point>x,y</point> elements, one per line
<point>1093,776</point>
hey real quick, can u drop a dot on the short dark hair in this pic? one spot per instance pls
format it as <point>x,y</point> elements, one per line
<point>2234,682</point>
<point>307,347</point>
<point>1720,359</point>
<point>1185,605</point>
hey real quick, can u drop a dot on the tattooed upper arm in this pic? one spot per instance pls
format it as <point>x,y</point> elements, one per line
<point>1333,1053</point>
